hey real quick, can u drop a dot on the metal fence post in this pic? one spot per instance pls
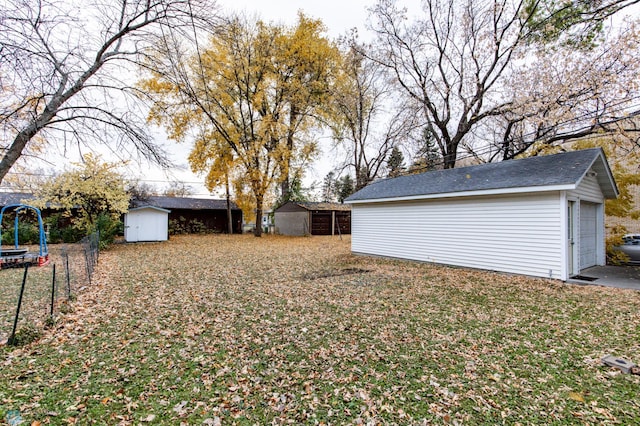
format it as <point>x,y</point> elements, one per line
<point>53,291</point>
<point>12,339</point>
<point>89,270</point>
<point>68,275</point>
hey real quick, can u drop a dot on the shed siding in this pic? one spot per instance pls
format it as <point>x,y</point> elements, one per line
<point>292,223</point>
<point>588,190</point>
<point>146,225</point>
<point>517,234</point>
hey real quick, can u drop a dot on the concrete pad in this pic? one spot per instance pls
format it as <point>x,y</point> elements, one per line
<point>610,276</point>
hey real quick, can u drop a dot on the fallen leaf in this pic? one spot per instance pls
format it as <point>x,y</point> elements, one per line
<point>576,396</point>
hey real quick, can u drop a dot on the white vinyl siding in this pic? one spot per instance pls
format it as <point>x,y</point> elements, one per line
<point>588,235</point>
<point>588,190</point>
<point>146,224</point>
<point>591,244</point>
<point>517,234</point>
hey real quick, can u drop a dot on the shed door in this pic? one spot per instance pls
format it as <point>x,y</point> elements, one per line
<point>321,223</point>
<point>148,227</point>
<point>343,220</point>
<point>132,224</point>
<point>588,235</point>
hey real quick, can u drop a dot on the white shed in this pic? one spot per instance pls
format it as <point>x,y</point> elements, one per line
<point>539,216</point>
<point>146,223</point>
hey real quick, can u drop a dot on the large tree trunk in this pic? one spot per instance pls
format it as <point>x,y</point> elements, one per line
<point>285,186</point>
<point>229,216</point>
<point>257,232</point>
<point>15,149</point>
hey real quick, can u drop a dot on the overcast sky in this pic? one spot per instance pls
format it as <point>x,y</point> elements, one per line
<point>339,16</point>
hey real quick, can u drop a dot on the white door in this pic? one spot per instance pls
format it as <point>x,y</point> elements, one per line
<point>149,225</point>
<point>131,227</point>
<point>588,235</point>
<point>571,236</point>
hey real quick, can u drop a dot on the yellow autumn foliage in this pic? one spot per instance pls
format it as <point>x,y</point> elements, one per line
<point>92,188</point>
<point>248,101</point>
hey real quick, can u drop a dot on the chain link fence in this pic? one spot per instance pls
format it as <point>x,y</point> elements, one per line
<point>32,297</point>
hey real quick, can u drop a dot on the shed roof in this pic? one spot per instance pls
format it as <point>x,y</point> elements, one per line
<point>162,202</point>
<point>173,203</point>
<point>7,198</point>
<point>562,171</point>
<point>158,209</point>
<point>323,206</point>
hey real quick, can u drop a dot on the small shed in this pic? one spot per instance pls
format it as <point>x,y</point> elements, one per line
<point>147,223</point>
<point>196,214</point>
<point>539,216</point>
<point>306,218</point>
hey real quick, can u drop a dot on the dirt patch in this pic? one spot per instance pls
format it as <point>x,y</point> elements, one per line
<point>335,273</point>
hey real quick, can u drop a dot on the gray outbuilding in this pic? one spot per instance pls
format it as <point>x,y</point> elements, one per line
<point>538,216</point>
<point>304,218</point>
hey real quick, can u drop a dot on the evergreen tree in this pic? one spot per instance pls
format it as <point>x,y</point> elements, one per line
<point>329,188</point>
<point>428,155</point>
<point>395,162</point>
<point>344,187</point>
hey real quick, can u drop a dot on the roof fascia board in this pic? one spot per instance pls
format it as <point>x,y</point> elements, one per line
<point>498,191</point>
<point>605,165</point>
<point>150,207</point>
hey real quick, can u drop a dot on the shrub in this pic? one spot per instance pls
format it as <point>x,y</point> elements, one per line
<point>197,227</point>
<point>178,226</point>
<point>26,334</point>
<point>616,257</point>
<point>61,230</point>
<point>183,226</point>
<point>28,233</point>
<point>109,227</point>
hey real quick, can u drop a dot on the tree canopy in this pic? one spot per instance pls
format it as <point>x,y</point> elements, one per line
<point>368,119</point>
<point>93,189</point>
<point>248,100</point>
<point>493,78</point>
<point>63,68</point>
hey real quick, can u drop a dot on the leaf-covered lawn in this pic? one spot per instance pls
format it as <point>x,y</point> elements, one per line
<point>238,330</point>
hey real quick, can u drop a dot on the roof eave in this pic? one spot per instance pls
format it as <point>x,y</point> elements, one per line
<point>605,178</point>
<point>498,191</point>
<point>150,207</point>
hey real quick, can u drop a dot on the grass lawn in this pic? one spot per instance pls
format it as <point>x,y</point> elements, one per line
<point>238,330</point>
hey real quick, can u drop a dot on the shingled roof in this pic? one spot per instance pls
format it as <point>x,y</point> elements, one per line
<point>7,198</point>
<point>162,202</point>
<point>326,206</point>
<point>562,171</point>
<point>172,203</point>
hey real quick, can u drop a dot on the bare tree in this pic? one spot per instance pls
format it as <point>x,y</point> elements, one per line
<point>560,97</point>
<point>452,61</point>
<point>178,189</point>
<point>63,69</point>
<point>367,121</point>
<point>457,61</point>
